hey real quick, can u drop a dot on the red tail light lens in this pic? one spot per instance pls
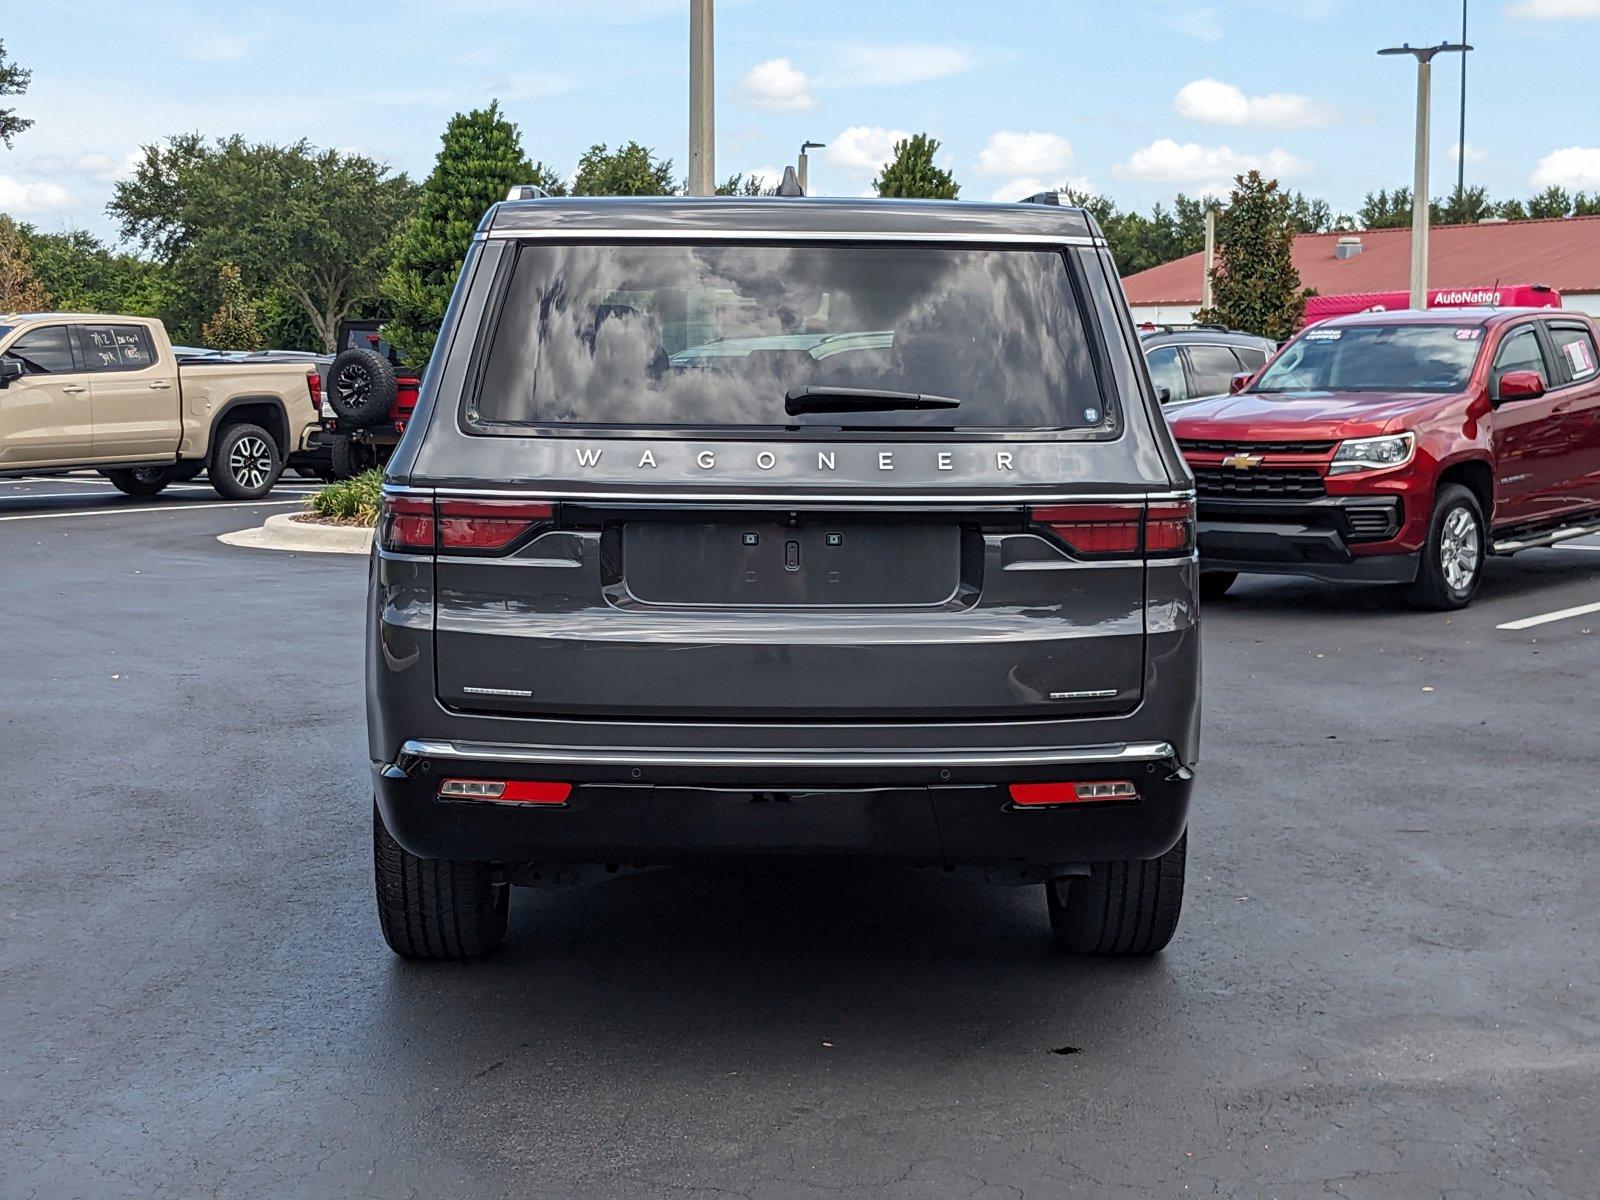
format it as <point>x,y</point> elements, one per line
<point>406,525</point>
<point>488,525</point>
<point>314,385</point>
<point>1120,530</point>
<point>1100,791</point>
<point>505,791</point>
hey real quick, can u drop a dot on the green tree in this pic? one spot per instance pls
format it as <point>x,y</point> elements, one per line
<point>547,177</point>
<point>1586,205</point>
<point>1463,207</point>
<point>1552,202</point>
<point>631,170</point>
<point>741,185</point>
<point>911,173</point>
<point>13,82</point>
<point>20,289</point>
<point>1511,210</point>
<point>312,225</point>
<point>1255,285</point>
<point>1309,215</point>
<point>480,158</point>
<point>1385,210</point>
<point>236,325</point>
<point>82,274</point>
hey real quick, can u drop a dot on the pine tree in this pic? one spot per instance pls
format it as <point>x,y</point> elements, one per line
<point>630,170</point>
<point>480,159</point>
<point>20,289</point>
<point>1255,286</point>
<point>236,325</point>
<point>911,172</point>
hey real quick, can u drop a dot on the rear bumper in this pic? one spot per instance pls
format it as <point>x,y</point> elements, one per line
<point>651,806</point>
<point>1350,538</point>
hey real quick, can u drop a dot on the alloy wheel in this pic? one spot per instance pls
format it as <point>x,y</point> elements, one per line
<point>250,462</point>
<point>1460,549</point>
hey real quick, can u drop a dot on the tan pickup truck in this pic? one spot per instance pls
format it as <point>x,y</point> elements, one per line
<point>108,393</point>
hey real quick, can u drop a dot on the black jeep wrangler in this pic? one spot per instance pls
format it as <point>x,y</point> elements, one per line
<point>774,527</point>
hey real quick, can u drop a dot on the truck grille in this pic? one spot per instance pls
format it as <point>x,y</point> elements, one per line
<point>1228,482</point>
<point>1256,447</point>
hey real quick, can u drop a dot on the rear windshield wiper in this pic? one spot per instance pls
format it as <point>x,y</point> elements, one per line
<point>847,399</point>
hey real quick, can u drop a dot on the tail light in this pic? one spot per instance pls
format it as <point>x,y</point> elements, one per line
<point>422,526</point>
<point>1120,530</point>
<point>505,791</point>
<point>1046,795</point>
<point>314,386</point>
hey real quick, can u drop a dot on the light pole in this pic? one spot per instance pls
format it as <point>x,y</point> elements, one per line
<point>1461,144</point>
<point>804,162</point>
<point>702,118</point>
<point>1211,253</point>
<point>1419,186</point>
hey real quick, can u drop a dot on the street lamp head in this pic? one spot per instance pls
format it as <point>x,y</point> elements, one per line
<point>1425,53</point>
<point>804,146</point>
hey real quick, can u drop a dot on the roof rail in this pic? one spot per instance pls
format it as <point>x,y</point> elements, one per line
<point>526,191</point>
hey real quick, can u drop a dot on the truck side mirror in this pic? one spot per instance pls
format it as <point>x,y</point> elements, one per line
<point>10,369</point>
<point>1520,385</point>
<point>1238,382</point>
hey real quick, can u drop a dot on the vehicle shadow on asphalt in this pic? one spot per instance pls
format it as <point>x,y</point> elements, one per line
<point>1526,577</point>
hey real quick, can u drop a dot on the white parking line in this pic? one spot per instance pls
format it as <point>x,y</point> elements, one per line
<point>1560,614</point>
<point>141,508</point>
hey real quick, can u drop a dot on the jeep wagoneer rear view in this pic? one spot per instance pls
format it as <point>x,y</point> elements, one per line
<point>758,528</point>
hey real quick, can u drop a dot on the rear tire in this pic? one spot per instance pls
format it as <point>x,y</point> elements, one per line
<point>1120,909</point>
<point>1453,556</point>
<point>436,908</point>
<point>1214,585</point>
<point>245,462</point>
<point>141,481</point>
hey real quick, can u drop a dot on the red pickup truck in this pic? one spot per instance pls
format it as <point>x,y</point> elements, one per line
<point>1401,447</point>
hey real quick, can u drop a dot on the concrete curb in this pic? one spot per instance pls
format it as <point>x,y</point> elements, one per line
<point>283,532</point>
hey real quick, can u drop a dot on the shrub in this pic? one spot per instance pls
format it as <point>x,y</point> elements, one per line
<point>352,501</point>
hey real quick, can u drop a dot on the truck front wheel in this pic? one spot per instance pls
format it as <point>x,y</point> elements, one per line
<point>244,463</point>
<point>1119,909</point>
<point>436,908</point>
<point>1452,559</point>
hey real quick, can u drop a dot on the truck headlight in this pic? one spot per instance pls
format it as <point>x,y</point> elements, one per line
<point>1373,453</point>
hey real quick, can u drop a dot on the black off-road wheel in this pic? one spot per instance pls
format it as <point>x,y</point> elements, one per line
<point>245,462</point>
<point>361,388</point>
<point>1453,556</point>
<point>141,481</point>
<point>1214,585</point>
<point>436,908</point>
<point>1120,909</point>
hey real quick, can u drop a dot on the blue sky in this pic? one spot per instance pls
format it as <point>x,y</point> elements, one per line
<point>1135,100</point>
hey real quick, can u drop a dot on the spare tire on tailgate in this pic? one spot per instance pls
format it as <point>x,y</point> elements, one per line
<point>361,388</point>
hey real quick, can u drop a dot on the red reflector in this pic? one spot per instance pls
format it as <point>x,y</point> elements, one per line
<point>1169,527</point>
<point>406,525</point>
<point>1039,795</point>
<point>488,524</point>
<point>505,791</point>
<point>1094,528</point>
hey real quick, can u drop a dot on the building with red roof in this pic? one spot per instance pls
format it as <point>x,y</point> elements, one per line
<point>1561,254</point>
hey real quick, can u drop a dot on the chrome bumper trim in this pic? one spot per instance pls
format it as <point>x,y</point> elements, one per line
<point>1116,752</point>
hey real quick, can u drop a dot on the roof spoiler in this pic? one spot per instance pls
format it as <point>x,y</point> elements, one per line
<point>1042,198</point>
<point>526,191</point>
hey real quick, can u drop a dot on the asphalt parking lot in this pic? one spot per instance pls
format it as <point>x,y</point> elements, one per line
<point>1386,982</point>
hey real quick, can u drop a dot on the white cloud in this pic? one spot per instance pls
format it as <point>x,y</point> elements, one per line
<point>1165,161</point>
<point>1575,168</point>
<point>1218,103</point>
<point>1017,189</point>
<point>863,148</point>
<point>1031,153</point>
<point>881,66</point>
<point>20,197</point>
<point>1553,10</point>
<point>93,165</point>
<point>1473,155</point>
<point>776,85</point>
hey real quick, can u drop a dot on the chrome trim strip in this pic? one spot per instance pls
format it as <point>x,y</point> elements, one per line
<point>1117,752</point>
<point>589,233</point>
<point>665,496</point>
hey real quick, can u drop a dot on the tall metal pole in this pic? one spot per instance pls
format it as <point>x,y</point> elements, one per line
<point>1211,254</point>
<point>1419,186</point>
<point>702,118</point>
<point>1419,191</point>
<point>1461,145</point>
<point>803,164</point>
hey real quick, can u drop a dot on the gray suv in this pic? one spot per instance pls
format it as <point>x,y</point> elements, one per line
<point>748,528</point>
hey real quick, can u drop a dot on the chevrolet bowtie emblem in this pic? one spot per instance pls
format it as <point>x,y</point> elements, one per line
<point>1242,462</point>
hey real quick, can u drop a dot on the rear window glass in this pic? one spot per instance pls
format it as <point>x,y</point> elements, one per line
<point>714,336</point>
<point>1376,358</point>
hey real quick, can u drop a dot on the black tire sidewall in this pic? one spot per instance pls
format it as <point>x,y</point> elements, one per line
<point>1434,589</point>
<point>383,388</point>
<point>222,478</point>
